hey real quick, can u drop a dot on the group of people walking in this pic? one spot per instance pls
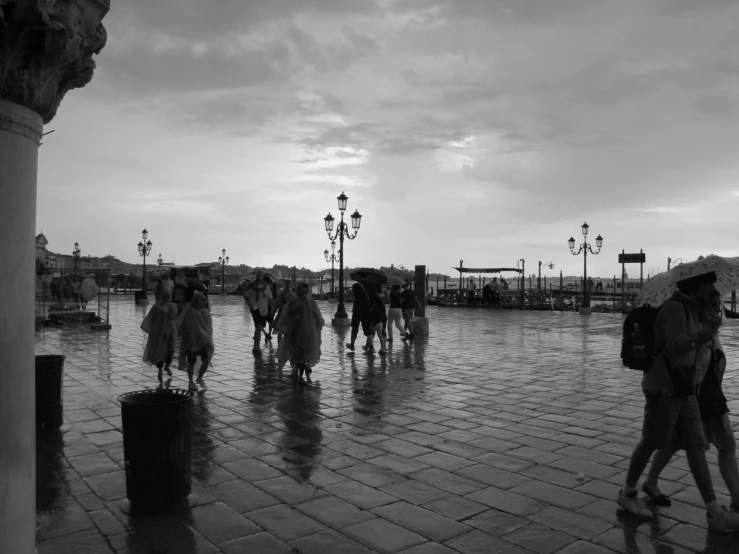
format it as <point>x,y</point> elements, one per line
<point>194,326</point>
<point>369,313</point>
<point>685,406</point>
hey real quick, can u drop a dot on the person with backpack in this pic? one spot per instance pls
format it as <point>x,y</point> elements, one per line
<point>682,344</point>
<point>716,424</point>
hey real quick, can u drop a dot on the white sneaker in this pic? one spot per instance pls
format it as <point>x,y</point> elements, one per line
<point>633,504</point>
<point>727,522</point>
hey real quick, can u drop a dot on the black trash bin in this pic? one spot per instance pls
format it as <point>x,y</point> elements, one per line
<point>49,386</point>
<point>156,449</point>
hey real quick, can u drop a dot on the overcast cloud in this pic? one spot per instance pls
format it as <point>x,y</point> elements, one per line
<point>483,130</point>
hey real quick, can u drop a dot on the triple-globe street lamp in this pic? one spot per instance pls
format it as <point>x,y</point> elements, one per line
<point>223,260</point>
<point>341,318</point>
<point>331,258</point>
<point>76,254</point>
<point>144,250</point>
<point>584,248</point>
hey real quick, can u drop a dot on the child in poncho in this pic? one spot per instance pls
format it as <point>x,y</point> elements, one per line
<point>300,322</point>
<point>195,326</point>
<point>159,324</point>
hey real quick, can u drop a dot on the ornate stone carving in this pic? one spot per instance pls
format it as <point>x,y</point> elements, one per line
<point>46,49</point>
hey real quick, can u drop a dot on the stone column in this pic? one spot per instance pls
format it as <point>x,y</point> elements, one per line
<point>420,321</point>
<point>46,49</point>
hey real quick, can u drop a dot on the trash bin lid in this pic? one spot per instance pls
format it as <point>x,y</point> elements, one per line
<point>156,397</point>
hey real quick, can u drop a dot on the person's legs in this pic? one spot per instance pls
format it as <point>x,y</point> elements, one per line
<point>203,368</point>
<point>355,331</point>
<point>191,358</point>
<point>722,436</point>
<point>159,367</point>
<point>369,331</point>
<point>168,363</point>
<point>660,418</point>
<point>659,462</point>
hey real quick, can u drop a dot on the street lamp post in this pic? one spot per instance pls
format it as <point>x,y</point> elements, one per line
<point>223,260</point>
<point>340,318</point>
<point>584,248</point>
<point>144,249</point>
<point>331,258</point>
<point>550,265</point>
<point>76,254</point>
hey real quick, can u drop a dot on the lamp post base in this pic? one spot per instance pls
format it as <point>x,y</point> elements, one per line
<point>141,297</point>
<point>584,310</point>
<point>341,322</point>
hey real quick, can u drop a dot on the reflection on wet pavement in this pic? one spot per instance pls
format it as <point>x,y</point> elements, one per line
<point>504,431</point>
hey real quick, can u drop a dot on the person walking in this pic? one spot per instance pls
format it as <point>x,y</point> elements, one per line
<point>300,323</point>
<point>408,301</point>
<point>379,321</point>
<point>159,324</point>
<point>683,339</point>
<point>394,313</point>
<point>362,315</point>
<point>257,296</point>
<point>716,424</point>
<point>195,326</point>
<point>283,298</point>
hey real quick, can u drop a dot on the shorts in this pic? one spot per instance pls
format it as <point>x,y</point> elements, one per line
<point>394,317</point>
<point>667,418</point>
<point>259,319</point>
<point>365,320</point>
<point>192,357</point>
<point>408,314</point>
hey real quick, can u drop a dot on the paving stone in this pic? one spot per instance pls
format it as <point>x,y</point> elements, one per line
<point>334,512</point>
<point>220,523</point>
<point>360,494</point>
<point>442,460</point>
<point>83,542</point>
<point>574,524</point>
<point>479,542</point>
<point>383,536</point>
<point>284,522</point>
<point>539,538</point>
<point>289,490</point>
<point>419,520</point>
<point>455,507</point>
<point>414,491</point>
<point>259,543</point>
<point>506,501</point>
<point>552,494</point>
<point>493,476</point>
<point>251,470</point>
<point>399,464</point>
<point>328,541</point>
<point>371,475</point>
<point>428,548</point>
<point>242,496</point>
<point>496,522</point>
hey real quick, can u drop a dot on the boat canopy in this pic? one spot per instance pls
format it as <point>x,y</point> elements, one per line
<point>487,269</point>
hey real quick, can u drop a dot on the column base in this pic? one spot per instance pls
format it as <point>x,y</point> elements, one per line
<point>584,311</point>
<point>341,322</point>
<point>420,326</point>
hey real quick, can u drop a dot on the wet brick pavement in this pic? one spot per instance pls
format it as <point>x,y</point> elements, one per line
<point>503,432</point>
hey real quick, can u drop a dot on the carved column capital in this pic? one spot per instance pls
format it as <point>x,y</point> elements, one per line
<point>46,49</point>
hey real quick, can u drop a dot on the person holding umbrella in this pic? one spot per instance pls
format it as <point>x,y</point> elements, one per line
<point>683,338</point>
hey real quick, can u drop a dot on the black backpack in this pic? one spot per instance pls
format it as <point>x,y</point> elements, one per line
<point>637,352</point>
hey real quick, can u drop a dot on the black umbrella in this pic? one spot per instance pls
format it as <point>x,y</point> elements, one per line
<point>369,274</point>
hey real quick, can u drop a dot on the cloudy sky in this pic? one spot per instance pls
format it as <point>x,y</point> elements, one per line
<point>482,130</point>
